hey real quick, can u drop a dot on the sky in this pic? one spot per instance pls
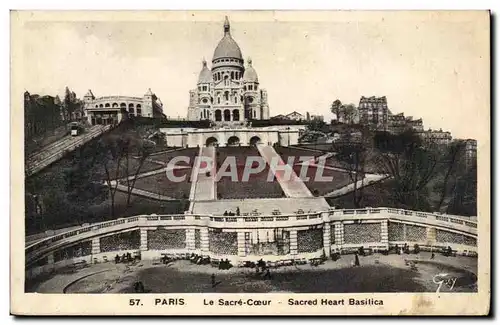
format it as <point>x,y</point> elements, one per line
<point>433,66</point>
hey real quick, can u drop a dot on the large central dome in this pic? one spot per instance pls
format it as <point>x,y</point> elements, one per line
<point>227,47</point>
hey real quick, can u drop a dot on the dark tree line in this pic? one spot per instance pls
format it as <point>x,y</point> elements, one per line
<point>41,114</point>
<point>85,177</point>
<point>46,113</point>
<point>423,176</point>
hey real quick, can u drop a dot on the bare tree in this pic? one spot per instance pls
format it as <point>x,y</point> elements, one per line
<point>410,164</point>
<point>112,150</point>
<point>451,162</point>
<point>352,154</point>
<point>137,152</point>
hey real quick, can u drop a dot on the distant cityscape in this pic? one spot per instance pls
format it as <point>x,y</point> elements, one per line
<point>374,113</point>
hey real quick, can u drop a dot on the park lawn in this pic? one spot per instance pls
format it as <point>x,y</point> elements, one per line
<point>162,185</point>
<point>319,187</point>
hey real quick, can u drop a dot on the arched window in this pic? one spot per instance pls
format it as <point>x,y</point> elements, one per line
<point>254,114</point>
<point>218,99</point>
<point>106,105</point>
<point>100,105</point>
<point>226,80</point>
<point>236,98</point>
<point>232,75</point>
<point>236,115</point>
<point>96,106</point>
<point>201,115</point>
<point>227,115</point>
<point>226,96</point>
<point>115,105</point>
<point>218,115</point>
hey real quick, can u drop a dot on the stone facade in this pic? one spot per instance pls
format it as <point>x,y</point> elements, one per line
<point>438,137</point>
<point>373,111</point>
<point>113,109</point>
<point>244,136</point>
<point>229,91</point>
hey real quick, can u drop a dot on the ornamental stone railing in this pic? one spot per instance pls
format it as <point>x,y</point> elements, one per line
<point>293,222</point>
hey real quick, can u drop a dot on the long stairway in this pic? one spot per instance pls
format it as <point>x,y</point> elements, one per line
<point>55,151</point>
<point>292,185</point>
<point>203,187</point>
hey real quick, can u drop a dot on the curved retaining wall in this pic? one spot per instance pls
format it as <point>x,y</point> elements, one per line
<point>242,238</point>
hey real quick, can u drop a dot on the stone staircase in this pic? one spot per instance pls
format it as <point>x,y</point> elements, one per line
<point>292,186</point>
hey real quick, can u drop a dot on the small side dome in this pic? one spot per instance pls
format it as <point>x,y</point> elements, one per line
<point>205,74</point>
<point>149,92</point>
<point>250,74</point>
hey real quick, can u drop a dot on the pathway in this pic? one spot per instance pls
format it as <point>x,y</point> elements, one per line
<point>203,186</point>
<point>292,186</point>
<point>367,180</point>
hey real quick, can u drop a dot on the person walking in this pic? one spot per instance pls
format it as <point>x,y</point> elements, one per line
<point>356,259</point>
<point>213,280</point>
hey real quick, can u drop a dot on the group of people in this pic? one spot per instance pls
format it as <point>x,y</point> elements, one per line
<point>448,251</point>
<point>402,250</point>
<point>125,258</point>
<point>226,213</point>
<point>225,264</point>
<point>261,267</point>
<point>199,260</point>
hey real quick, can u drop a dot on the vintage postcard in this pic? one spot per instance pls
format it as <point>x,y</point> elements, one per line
<point>250,163</point>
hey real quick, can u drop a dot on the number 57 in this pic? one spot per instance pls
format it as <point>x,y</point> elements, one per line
<point>135,302</point>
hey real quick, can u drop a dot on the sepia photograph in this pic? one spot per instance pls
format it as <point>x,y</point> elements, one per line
<point>339,154</point>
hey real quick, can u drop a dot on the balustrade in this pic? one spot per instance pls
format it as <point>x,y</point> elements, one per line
<point>396,231</point>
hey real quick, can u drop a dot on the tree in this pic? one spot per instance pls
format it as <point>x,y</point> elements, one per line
<point>122,158</point>
<point>464,196</point>
<point>81,185</point>
<point>71,104</point>
<point>451,163</point>
<point>111,150</point>
<point>410,164</point>
<point>352,154</point>
<point>349,113</point>
<point>316,125</point>
<point>345,113</point>
<point>142,150</point>
<point>335,108</point>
